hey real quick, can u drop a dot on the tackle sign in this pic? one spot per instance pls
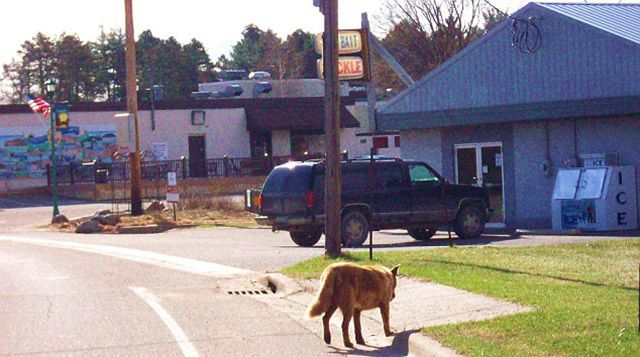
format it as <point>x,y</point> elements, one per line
<point>350,67</point>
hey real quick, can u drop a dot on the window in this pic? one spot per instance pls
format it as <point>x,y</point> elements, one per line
<point>288,179</point>
<point>390,176</point>
<point>421,173</point>
<point>396,140</point>
<point>197,117</point>
<point>380,142</point>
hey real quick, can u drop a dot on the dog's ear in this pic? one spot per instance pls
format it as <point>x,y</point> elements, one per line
<point>394,270</point>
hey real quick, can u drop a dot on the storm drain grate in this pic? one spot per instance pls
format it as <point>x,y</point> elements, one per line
<point>248,292</point>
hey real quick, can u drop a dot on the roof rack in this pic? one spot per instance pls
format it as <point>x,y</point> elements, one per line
<point>365,158</point>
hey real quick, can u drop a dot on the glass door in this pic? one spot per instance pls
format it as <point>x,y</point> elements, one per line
<point>481,165</point>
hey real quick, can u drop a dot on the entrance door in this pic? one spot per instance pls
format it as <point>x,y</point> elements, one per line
<point>481,165</point>
<point>197,156</point>
<point>260,143</point>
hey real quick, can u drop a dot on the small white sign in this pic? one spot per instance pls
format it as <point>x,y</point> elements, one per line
<point>172,194</point>
<point>172,179</point>
<point>160,151</point>
<point>499,159</point>
<point>173,197</point>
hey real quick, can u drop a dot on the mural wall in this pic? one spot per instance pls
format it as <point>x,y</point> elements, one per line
<point>24,151</point>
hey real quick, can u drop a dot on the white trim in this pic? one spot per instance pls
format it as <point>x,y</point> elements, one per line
<point>178,334</point>
<point>140,256</point>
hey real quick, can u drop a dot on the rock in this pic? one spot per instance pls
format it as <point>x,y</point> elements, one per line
<point>155,206</point>
<point>107,220</point>
<point>59,219</point>
<point>88,227</point>
<point>103,212</point>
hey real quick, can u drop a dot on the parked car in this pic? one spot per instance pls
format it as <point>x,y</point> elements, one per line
<point>376,194</point>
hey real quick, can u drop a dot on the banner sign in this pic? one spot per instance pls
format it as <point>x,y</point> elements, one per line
<point>62,115</point>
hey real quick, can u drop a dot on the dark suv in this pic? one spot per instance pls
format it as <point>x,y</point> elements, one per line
<point>380,194</point>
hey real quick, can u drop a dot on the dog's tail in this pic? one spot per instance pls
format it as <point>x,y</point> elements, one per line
<point>325,296</point>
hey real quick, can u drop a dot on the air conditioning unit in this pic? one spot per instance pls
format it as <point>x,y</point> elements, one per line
<point>260,75</point>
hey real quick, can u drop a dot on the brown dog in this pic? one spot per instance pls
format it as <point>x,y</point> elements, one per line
<point>352,289</point>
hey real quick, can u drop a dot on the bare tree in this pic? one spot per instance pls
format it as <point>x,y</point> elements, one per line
<point>425,33</point>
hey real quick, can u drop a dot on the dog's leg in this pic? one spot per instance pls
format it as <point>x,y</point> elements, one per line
<point>358,327</point>
<point>325,323</point>
<point>384,311</point>
<point>347,313</point>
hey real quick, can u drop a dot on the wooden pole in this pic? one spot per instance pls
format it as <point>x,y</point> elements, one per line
<point>333,190</point>
<point>132,107</point>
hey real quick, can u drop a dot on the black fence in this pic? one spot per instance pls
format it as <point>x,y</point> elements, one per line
<point>97,172</point>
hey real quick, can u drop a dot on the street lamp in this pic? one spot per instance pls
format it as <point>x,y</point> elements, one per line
<point>51,88</point>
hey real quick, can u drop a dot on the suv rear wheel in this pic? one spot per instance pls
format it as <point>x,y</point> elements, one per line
<point>355,229</point>
<point>470,222</point>
<point>305,239</point>
<point>422,233</point>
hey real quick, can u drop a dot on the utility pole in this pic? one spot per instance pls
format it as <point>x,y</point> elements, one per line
<point>132,108</point>
<point>333,191</point>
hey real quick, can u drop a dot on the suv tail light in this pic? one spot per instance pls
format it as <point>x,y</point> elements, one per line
<point>260,201</point>
<point>311,199</point>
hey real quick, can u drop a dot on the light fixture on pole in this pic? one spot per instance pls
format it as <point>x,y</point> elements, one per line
<point>51,88</point>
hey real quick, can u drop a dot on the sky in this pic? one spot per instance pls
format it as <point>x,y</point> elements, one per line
<point>217,24</point>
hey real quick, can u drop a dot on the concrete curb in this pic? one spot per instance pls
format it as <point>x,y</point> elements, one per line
<point>283,284</point>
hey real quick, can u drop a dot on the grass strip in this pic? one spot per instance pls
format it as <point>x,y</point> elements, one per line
<point>585,295</point>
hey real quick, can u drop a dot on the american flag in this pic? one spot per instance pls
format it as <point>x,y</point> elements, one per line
<point>39,105</point>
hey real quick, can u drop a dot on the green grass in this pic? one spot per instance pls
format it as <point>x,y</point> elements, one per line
<point>585,295</point>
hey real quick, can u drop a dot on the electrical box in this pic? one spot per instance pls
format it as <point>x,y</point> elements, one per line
<point>595,199</point>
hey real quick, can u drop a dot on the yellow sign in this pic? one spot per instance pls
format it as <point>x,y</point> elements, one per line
<point>349,42</point>
<point>349,67</point>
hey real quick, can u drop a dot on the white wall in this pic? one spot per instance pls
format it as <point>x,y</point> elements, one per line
<point>281,142</point>
<point>225,132</point>
<point>423,145</point>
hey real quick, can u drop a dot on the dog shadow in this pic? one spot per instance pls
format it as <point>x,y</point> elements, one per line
<point>399,347</point>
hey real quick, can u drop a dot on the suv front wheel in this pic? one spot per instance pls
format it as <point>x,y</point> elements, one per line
<point>305,239</point>
<point>355,229</point>
<point>470,222</point>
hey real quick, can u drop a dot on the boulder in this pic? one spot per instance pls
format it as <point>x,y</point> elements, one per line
<point>88,227</point>
<point>155,207</point>
<point>59,219</point>
<point>107,220</point>
<point>103,212</point>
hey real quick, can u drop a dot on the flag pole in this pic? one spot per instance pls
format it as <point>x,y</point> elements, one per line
<point>54,172</point>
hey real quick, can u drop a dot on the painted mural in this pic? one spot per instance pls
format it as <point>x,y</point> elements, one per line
<point>27,155</point>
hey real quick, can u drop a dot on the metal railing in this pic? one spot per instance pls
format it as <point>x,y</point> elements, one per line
<point>98,172</point>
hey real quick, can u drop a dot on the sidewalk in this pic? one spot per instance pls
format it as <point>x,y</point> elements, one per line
<point>417,305</point>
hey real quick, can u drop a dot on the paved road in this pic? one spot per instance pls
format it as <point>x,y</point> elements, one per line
<point>145,294</point>
<point>63,302</point>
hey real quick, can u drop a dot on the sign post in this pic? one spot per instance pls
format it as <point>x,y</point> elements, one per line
<point>172,192</point>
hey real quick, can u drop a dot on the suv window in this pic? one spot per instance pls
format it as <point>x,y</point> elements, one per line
<point>422,174</point>
<point>294,179</point>
<point>390,175</point>
<point>353,177</point>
